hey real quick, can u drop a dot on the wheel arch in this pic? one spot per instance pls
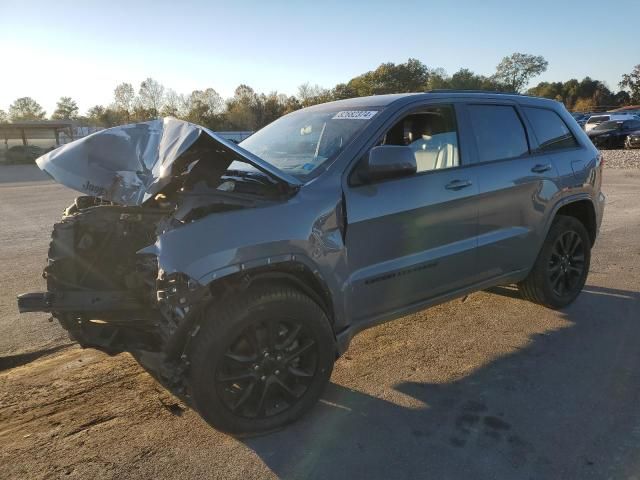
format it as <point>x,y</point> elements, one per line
<point>293,272</point>
<point>583,210</point>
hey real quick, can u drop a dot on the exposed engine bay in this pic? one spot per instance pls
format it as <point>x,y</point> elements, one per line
<point>102,286</point>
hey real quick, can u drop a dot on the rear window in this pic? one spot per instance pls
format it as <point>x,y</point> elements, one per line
<point>550,130</point>
<point>498,131</point>
<point>598,119</point>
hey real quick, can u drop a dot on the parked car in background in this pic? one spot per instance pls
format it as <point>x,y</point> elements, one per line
<point>237,274</point>
<point>614,133</point>
<point>581,118</point>
<point>596,120</point>
<point>633,140</point>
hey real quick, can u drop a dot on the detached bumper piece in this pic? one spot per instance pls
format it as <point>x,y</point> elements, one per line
<point>77,301</point>
<point>34,302</point>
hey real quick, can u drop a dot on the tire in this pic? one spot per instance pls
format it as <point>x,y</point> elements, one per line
<point>562,266</point>
<point>261,360</point>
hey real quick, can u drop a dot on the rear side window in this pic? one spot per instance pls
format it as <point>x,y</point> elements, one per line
<point>550,129</point>
<point>498,131</point>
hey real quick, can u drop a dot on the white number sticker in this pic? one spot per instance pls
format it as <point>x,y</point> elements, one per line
<point>355,115</point>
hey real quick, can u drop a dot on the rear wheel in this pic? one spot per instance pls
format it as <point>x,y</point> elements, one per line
<point>562,265</point>
<point>261,361</point>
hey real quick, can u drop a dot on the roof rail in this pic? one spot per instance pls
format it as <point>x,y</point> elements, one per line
<point>461,90</point>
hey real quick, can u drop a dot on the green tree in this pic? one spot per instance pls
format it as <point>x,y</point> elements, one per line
<point>517,69</point>
<point>582,95</point>
<point>100,116</point>
<point>622,98</point>
<point>631,81</point>
<point>437,80</point>
<point>465,79</point>
<point>242,109</point>
<point>342,91</point>
<point>66,109</point>
<point>4,118</point>
<point>204,107</point>
<point>26,108</point>
<point>411,76</point>
<point>151,97</point>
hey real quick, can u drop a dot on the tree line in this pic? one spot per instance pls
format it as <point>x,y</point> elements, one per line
<point>250,110</point>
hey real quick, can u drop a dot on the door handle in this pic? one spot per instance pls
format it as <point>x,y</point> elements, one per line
<point>457,184</point>
<point>541,168</point>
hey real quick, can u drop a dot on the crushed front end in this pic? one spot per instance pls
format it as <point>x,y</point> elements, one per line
<point>104,284</point>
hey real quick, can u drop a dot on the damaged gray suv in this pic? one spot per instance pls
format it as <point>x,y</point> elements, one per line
<point>237,274</point>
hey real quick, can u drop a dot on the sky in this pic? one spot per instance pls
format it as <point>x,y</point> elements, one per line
<point>83,49</point>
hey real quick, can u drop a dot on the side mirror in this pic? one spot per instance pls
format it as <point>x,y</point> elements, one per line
<point>389,161</point>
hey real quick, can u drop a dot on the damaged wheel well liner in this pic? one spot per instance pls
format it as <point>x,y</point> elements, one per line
<point>291,273</point>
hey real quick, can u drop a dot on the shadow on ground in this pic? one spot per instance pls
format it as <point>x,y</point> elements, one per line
<point>565,406</point>
<point>13,361</point>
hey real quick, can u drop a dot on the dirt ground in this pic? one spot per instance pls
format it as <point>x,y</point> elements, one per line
<point>484,387</point>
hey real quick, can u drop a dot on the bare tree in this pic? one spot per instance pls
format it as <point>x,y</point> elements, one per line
<point>151,95</point>
<point>124,96</point>
<point>175,105</point>
<point>312,94</point>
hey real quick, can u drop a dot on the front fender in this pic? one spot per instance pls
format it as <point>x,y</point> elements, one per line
<point>227,243</point>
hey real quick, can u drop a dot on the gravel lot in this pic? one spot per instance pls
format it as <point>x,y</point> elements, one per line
<point>622,158</point>
<point>486,387</point>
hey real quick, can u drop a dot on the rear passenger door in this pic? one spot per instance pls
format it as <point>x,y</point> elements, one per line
<point>516,188</point>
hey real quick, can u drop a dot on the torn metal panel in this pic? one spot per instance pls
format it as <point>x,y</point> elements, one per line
<point>131,163</point>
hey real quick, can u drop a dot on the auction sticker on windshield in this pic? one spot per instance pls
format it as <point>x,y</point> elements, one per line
<point>354,115</point>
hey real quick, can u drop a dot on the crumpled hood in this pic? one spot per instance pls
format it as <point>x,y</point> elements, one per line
<point>131,163</point>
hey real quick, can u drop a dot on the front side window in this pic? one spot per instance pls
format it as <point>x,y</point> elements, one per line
<point>431,134</point>
<point>498,132</point>
<point>550,129</point>
<point>304,142</point>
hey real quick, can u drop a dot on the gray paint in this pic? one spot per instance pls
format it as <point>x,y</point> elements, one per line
<point>407,242</point>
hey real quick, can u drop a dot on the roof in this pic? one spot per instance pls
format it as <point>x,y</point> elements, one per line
<point>405,98</point>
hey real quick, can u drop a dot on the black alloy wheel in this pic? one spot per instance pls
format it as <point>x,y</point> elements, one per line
<point>261,359</point>
<point>267,369</point>
<point>566,264</point>
<point>562,266</point>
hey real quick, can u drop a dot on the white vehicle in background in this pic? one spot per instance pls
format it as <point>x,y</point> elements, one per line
<point>595,120</point>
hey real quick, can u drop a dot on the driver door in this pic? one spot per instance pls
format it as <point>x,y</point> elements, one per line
<point>414,238</point>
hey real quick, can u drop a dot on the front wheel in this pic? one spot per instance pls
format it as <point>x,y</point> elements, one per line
<point>261,360</point>
<point>562,266</point>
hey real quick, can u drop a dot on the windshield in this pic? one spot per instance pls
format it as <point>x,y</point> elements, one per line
<point>305,142</point>
<point>609,125</point>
